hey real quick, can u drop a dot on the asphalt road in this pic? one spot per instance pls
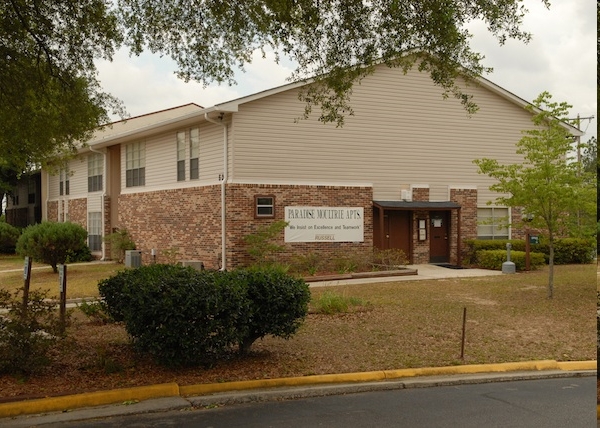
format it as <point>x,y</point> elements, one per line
<point>548,403</point>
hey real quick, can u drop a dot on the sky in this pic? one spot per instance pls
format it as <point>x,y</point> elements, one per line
<point>560,59</point>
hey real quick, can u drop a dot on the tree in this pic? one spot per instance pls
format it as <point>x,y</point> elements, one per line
<point>339,42</point>
<point>52,243</point>
<point>548,185</point>
<point>50,98</point>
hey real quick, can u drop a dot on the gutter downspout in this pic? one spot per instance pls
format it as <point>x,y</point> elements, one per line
<point>224,179</point>
<point>102,198</point>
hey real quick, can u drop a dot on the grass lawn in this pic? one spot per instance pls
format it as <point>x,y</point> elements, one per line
<point>399,325</point>
<point>82,278</point>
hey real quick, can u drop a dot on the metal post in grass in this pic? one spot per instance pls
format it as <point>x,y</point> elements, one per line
<point>27,281</point>
<point>464,329</point>
<point>62,289</point>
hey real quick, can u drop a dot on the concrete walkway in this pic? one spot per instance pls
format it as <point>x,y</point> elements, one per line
<point>424,271</point>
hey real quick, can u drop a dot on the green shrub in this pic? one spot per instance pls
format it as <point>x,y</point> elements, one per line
<point>9,236</point>
<point>185,317</point>
<point>119,242</point>
<point>262,246</point>
<point>51,243</point>
<point>493,259</point>
<point>96,311</point>
<point>180,316</point>
<point>84,254</point>
<point>566,250</point>
<point>27,337</point>
<point>276,305</point>
<point>309,263</point>
<point>573,251</point>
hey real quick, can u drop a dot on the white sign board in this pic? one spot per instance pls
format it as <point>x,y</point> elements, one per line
<point>324,224</point>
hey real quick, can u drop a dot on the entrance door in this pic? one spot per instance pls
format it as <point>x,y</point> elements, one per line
<point>439,228</point>
<point>397,231</point>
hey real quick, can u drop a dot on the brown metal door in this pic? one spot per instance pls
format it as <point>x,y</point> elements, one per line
<point>439,244</point>
<point>397,231</point>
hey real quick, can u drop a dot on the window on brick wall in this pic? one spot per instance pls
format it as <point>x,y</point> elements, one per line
<point>95,231</point>
<point>264,206</point>
<point>492,223</point>
<point>95,172</point>
<point>135,172</point>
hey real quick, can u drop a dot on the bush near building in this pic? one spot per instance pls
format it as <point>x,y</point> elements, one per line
<point>566,250</point>
<point>184,317</point>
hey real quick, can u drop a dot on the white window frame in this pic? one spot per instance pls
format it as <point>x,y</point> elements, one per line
<point>135,164</point>
<point>497,225</point>
<point>95,172</point>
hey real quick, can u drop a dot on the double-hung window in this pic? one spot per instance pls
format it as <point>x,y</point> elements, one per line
<point>95,172</point>
<point>194,153</point>
<point>63,187</point>
<point>95,231</point>
<point>492,223</point>
<point>188,148</point>
<point>135,158</point>
<point>181,156</point>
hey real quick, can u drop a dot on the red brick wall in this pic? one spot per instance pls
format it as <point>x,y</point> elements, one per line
<point>241,221</point>
<point>420,194</point>
<point>467,198</point>
<point>78,211</point>
<point>185,220</point>
<point>190,220</point>
<point>52,211</point>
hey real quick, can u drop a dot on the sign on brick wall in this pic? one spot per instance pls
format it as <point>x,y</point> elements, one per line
<point>324,224</point>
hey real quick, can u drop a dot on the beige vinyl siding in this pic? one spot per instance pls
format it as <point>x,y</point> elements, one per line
<point>53,185</point>
<point>94,203</point>
<point>78,177</point>
<point>161,160</point>
<point>77,180</point>
<point>403,132</point>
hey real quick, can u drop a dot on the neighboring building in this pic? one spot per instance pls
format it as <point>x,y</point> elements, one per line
<point>398,174</point>
<point>24,204</point>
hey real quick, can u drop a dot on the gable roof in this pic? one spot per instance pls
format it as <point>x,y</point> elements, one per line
<point>140,126</point>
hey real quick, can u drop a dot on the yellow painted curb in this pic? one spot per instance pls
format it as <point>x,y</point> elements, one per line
<point>99,398</point>
<point>473,368</point>
<point>578,365</point>
<point>211,388</point>
<point>88,399</point>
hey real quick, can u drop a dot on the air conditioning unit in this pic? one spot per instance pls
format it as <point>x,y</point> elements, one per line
<point>406,195</point>
<point>133,258</point>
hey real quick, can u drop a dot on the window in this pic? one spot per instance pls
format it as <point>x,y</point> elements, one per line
<point>265,206</point>
<point>63,188</point>
<point>31,191</point>
<point>492,223</point>
<point>95,231</point>
<point>15,200</point>
<point>95,171</point>
<point>194,152</point>
<point>135,170</point>
<point>181,156</point>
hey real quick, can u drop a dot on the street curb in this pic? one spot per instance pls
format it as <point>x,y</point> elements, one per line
<point>99,398</point>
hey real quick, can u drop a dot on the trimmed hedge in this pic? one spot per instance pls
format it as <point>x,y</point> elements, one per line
<point>184,317</point>
<point>566,250</point>
<point>493,259</point>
